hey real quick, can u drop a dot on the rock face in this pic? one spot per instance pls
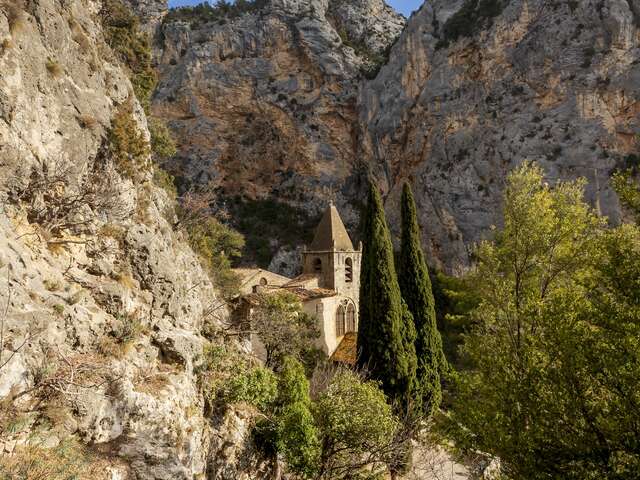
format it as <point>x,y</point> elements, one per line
<point>273,105</point>
<point>102,304</point>
<point>264,106</point>
<point>552,83</point>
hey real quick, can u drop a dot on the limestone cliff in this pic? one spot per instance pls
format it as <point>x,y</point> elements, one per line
<point>277,106</point>
<point>265,106</point>
<point>553,82</point>
<point>103,305</point>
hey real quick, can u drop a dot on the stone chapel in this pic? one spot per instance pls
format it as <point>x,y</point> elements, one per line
<point>328,286</point>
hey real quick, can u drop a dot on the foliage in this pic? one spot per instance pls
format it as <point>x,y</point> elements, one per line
<point>297,435</point>
<point>356,426</point>
<point>68,460</point>
<point>163,144</point>
<point>166,181</point>
<point>554,349</point>
<point>262,219</point>
<point>415,285</point>
<point>473,16</point>
<point>386,331</point>
<point>373,61</point>
<point>127,145</point>
<point>227,377</point>
<point>220,12</point>
<point>284,329</point>
<point>123,35</point>
<point>627,187</point>
<point>455,299</point>
<point>217,244</point>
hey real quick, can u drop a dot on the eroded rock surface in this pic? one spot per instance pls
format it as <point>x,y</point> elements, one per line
<point>102,304</point>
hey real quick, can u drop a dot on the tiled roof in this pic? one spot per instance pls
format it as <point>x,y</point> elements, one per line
<point>346,351</point>
<point>330,233</point>
<point>302,280</point>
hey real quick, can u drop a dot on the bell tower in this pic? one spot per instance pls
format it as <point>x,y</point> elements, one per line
<point>332,258</point>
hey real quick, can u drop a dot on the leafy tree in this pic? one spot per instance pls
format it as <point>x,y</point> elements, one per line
<point>357,429</point>
<point>284,329</point>
<point>554,349</point>
<point>297,435</point>
<point>415,285</point>
<point>386,332</point>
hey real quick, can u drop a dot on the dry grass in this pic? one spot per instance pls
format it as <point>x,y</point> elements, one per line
<point>113,231</point>
<point>56,248</point>
<point>152,384</point>
<point>51,284</point>
<point>15,16</point>
<point>54,68</point>
<point>68,460</point>
<point>6,44</point>
<point>87,121</point>
<point>78,35</point>
<point>126,280</point>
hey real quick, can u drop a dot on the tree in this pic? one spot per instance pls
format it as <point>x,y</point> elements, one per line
<point>386,333</point>
<point>415,285</point>
<point>283,328</point>
<point>357,429</point>
<point>297,435</point>
<point>554,351</point>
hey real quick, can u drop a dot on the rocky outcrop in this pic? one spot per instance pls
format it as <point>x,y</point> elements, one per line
<point>150,13</point>
<point>274,105</point>
<point>103,305</point>
<point>264,105</point>
<point>552,83</point>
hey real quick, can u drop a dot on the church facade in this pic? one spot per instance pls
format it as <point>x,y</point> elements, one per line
<point>328,287</point>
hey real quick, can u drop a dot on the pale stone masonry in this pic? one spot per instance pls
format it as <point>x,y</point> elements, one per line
<point>328,287</point>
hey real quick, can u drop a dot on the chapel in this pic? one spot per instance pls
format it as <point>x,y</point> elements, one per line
<point>328,287</point>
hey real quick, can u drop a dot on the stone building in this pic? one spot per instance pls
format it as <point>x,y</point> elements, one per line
<point>328,287</point>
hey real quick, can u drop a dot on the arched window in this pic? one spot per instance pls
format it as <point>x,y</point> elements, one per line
<point>317,265</point>
<point>340,322</point>
<point>351,318</point>
<point>263,282</point>
<point>348,270</point>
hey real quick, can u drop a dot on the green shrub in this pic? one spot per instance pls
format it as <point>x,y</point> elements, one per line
<point>166,181</point>
<point>261,220</point>
<point>220,12</point>
<point>473,16</point>
<point>132,47</point>
<point>227,377</point>
<point>163,144</point>
<point>127,146</point>
<point>217,244</point>
<point>256,386</point>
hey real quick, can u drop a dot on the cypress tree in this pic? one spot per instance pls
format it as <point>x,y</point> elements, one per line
<point>415,286</point>
<point>386,335</point>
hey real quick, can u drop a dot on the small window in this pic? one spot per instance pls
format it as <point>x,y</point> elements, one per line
<point>263,282</point>
<point>317,265</point>
<point>348,271</point>
<point>351,319</point>
<point>340,322</point>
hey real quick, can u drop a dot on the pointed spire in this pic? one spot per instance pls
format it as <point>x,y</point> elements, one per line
<point>330,233</point>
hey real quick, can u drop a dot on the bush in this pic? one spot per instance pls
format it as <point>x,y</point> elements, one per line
<point>473,16</point>
<point>128,147</point>
<point>227,377</point>
<point>220,12</point>
<point>54,68</point>
<point>162,143</point>
<point>132,47</point>
<point>217,244</point>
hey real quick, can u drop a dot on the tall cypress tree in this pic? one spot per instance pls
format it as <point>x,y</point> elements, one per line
<point>415,286</point>
<point>386,335</point>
